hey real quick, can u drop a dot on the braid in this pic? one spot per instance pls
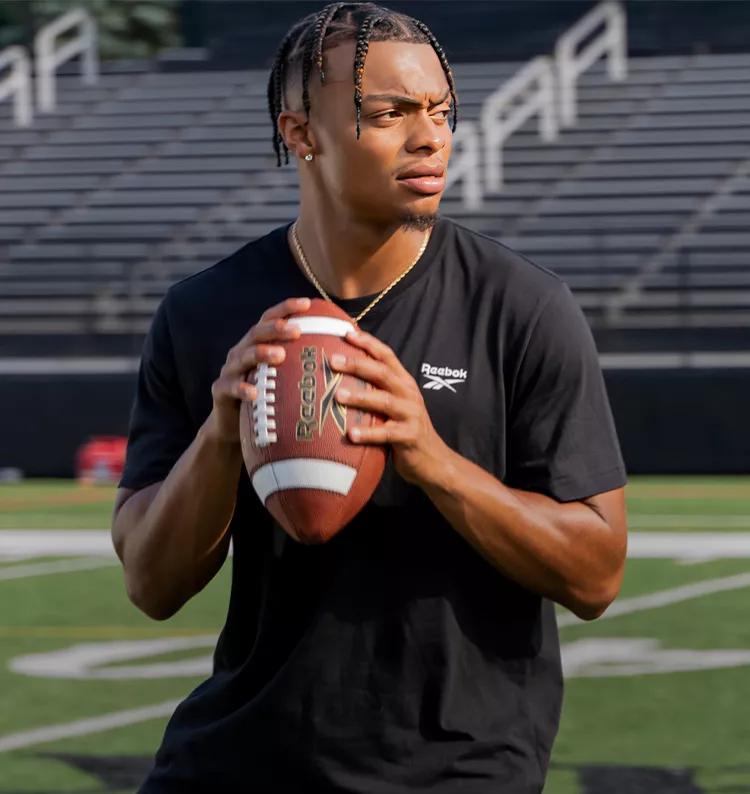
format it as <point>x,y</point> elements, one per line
<point>306,41</point>
<point>324,20</point>
<point>420,26</point>
<point>363,44</point>
<point>275,94</point>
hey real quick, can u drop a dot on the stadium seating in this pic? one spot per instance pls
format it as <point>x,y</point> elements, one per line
<point>643,207</point>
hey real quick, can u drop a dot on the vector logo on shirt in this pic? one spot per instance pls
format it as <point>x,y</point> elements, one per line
<point>442,377</point>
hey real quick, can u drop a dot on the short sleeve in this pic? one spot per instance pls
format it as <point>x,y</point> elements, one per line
<point>160,426</point>
<point>562,436</point>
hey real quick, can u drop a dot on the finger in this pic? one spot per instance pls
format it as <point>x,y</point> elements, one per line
<point>370,370</point>
<point>233,388</point>
<point>243,361</point>
<point>376,348</point>
<point>388,433</point>
<point>272,331</point>
<point>286,308</point>
<point>272,323</point>
<point>245,391</point>
<point>374,401</point>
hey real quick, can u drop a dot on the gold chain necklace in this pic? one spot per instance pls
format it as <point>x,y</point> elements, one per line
<point>320,289</point>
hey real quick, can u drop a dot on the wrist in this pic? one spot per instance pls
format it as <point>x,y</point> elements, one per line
<point>210,434</point>
<point>440,473</point>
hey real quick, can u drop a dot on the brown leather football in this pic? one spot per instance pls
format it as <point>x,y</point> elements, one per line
<point>304,468</point>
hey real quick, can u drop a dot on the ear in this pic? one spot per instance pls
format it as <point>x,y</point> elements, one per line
<point>294,128</point>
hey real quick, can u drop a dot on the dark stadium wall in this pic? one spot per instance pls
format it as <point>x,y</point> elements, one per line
<point>676,421</point>
<point>245,34</point>
<point>682,421</point>
<point>59,414</point>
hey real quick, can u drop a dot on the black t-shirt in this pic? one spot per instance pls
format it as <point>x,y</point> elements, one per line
<point>393,658</point>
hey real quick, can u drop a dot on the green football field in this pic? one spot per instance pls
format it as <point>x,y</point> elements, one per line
<point>657,689</point>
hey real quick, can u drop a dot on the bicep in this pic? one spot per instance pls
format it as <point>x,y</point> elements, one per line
<point>610,506</point>
<point>123,521</point>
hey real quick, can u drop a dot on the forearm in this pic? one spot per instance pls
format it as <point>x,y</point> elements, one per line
<point>173,536</point>
<point>564,551</point>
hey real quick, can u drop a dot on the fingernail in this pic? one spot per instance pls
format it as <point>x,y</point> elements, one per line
<point>337,360</point>
<point>354,433</point>
<point>354,334</point>
<point>343,394</point>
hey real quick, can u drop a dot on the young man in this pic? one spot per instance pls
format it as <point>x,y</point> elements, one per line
<point>417,650</point>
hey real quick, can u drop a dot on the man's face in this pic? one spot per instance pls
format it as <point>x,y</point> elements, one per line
<point>360,176</point>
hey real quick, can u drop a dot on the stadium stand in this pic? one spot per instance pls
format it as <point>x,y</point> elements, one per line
<point>146,177</point>
<point>156,171</point>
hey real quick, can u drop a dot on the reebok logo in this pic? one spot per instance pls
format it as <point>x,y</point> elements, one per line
<point>442,377</point>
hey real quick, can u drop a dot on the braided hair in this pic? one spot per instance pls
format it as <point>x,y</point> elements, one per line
<point>305,42</point>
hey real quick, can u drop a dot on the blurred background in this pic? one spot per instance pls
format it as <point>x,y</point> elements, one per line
<point>608,142</point>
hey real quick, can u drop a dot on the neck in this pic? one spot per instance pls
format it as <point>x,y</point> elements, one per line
<point>352,258</point>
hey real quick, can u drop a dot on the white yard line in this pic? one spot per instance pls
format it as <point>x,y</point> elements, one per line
<point>696,546</point>
<point>116,719</point>
<point>56,566</point>
<point>55,543</point>
<point>689,545</point>
<point>675,595</point>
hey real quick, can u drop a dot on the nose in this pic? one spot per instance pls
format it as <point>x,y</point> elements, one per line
<point>425,134</point>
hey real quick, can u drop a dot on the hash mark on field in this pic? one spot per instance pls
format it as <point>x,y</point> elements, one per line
<point>116,719</point>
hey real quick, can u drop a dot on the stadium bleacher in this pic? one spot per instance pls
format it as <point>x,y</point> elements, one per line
<point>642,207</point>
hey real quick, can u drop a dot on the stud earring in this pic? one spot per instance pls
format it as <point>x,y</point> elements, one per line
<point>308,156</point>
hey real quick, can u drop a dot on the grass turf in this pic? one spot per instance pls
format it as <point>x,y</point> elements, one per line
<point>686,721</point>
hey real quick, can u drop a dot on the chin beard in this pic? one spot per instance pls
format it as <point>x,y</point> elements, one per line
<point>419,223</point>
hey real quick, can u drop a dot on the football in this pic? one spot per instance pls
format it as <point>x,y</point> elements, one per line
<point>302,465</point>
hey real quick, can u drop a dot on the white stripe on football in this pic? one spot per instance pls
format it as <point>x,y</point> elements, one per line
<point>323,475</point>
<point>322,325</point>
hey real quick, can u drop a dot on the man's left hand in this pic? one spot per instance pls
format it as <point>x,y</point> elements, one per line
<point>416,446</point>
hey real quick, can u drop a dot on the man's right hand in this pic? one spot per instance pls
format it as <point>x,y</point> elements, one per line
<point>255,347</point>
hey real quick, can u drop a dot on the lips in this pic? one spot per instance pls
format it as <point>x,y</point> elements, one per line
<point>425,179</point>
<point>424,184</point>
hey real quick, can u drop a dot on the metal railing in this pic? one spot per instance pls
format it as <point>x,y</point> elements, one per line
<point>48,58</point>
<point>612,42</point>
<point>528,93</point>
<point>17,84</point>
<point>547,88</point>
<point>465,165</point>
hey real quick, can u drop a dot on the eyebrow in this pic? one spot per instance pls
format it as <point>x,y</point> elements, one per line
<point>400,99</point>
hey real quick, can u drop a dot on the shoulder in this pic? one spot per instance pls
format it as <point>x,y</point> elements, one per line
<point>220,282</point>
<point>520,284</point>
